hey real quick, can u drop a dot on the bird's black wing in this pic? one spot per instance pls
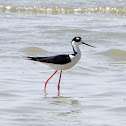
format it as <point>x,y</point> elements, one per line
<point>58,59</point>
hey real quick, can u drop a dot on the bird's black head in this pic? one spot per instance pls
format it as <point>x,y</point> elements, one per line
<point>77,39</point>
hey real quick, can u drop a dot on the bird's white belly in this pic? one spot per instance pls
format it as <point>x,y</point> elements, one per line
<point>61,67</point>
<point>74,59</point>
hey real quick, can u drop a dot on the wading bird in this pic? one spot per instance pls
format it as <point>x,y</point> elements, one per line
<point>63,61</point>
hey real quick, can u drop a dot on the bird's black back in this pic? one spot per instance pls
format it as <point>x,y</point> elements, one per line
<point>58,59</point>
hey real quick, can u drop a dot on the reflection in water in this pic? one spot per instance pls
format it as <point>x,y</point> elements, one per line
<point>65,106</point>
<point>72,112</point>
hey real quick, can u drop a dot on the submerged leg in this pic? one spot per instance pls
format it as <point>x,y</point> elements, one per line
<point>59,83</point>
<point>48,80</point>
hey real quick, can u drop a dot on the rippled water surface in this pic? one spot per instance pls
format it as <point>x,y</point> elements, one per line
<point>93,93</point>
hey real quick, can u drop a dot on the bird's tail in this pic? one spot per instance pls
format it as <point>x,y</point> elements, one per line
<point>32,58</point>
<point>36,58</point>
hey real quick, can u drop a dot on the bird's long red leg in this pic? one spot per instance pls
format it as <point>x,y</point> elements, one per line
<point>48,80</point>
<point>59,83</point>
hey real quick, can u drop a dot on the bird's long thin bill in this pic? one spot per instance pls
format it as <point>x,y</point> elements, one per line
<point>88,44</point>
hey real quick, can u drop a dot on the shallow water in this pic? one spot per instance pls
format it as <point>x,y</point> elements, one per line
<point>92,93</point>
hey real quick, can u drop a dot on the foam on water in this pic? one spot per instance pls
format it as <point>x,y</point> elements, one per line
<point>62,10</point>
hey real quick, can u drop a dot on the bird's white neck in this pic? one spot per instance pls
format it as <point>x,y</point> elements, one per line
<point>76,48</point>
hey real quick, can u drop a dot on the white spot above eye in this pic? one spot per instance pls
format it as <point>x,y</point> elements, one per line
<point>77,38</point>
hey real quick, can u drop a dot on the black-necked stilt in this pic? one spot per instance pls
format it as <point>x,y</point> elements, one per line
<point>63,61</point>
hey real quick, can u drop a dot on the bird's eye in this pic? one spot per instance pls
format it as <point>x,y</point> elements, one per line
<point>77,39</point>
